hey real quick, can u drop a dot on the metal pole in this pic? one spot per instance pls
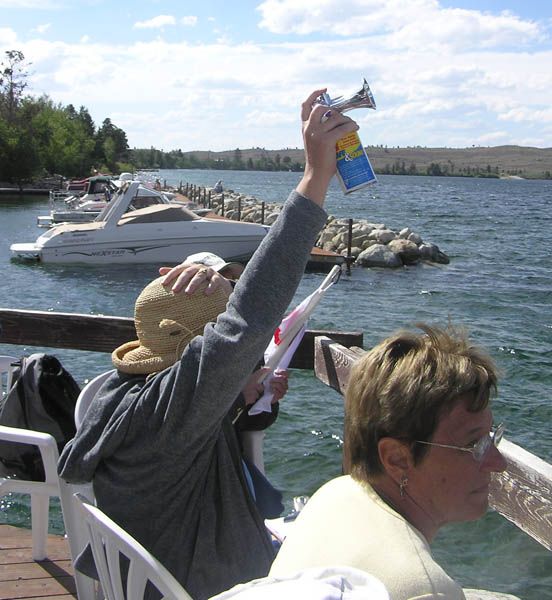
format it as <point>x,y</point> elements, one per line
<point>349,258</point>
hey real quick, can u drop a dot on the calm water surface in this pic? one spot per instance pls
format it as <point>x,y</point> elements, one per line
<point>498,284</point>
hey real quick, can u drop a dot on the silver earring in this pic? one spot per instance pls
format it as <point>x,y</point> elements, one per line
<point>402,485</point>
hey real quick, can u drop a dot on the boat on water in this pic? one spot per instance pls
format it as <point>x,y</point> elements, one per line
<point>124,234</point>
<point>88,207</point>
<point>83,208</point>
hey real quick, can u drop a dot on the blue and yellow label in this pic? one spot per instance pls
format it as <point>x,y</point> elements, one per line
<point>353,166</point>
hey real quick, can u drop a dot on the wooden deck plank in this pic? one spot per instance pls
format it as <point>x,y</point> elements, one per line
<point>19,537</point>
<point>22,578</point>
<point>35,570</point>
<point>25,589</point>
<point>24,554</point>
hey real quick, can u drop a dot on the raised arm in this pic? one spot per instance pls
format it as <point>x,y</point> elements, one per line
<point>231,348</point>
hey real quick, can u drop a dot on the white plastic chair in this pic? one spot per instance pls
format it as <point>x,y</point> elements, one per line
<point>40,491</point>
<point>109,542</point>
<point>77,535</point>
<point>6,373</point>
<point>87,394</point>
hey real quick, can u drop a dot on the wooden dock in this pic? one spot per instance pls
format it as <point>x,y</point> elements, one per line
<point>23,578</point>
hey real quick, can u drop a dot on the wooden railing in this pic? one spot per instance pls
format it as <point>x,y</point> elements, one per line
<point>97,333</point>
<point>522,493</point>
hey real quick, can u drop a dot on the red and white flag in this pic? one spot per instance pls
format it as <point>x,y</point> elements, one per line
<point>287,338</point>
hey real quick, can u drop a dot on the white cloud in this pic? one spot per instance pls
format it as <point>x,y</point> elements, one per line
<point>8,38</point>
<point>155,22</point>
<point>190,21</point>
<point>270,118</point>
<point>466,29</point>
<point>492,138</point>
<point>525,114</point>
<point>219,94</point>
<point>42,28</point>
<point>413,24</point>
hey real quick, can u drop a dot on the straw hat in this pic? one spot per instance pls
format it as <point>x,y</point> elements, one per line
<point>166,323</point>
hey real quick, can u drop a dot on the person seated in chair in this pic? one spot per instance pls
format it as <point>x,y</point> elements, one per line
<point>157,442</point>
<point>421,449</point>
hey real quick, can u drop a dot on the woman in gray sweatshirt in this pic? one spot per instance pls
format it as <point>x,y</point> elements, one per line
<point>160,449</point>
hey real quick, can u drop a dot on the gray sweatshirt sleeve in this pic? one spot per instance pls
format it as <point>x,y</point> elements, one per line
<point>221,360</point>
<point>180,410</point>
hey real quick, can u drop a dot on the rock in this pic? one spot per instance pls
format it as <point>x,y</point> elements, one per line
<point>269,220</point>
<point>404,233</point>
<point>407,251</point>
<point>441,258</point>
<point>432,253</point>
<point>326,236</point>
<point>382,236</point>
<point>373,244</point>
<point>359,238</point>
<point>355,251</point>
<point>378,255</point>
<point>414,237</point>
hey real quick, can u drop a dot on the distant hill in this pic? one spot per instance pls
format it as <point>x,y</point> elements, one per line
<point>528,162</point>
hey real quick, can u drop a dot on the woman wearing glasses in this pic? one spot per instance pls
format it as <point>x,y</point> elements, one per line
<point>420,447</point>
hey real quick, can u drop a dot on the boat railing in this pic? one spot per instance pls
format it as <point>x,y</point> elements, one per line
<point>522,493</point>
<point>56,195</point>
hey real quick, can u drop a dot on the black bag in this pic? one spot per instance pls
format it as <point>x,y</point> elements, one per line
<point>42,398</point>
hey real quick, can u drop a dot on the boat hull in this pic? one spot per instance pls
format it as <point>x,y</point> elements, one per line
<point>166,251</point>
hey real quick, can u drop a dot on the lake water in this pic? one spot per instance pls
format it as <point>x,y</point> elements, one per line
<point>498,284</point>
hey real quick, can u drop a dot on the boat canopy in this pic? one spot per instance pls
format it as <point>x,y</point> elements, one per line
<point>160,213</point>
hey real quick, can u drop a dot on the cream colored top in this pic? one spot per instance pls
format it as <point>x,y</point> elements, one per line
<point>347,523</point>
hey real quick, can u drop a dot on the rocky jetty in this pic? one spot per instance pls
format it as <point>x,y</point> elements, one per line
<point>372,245</point>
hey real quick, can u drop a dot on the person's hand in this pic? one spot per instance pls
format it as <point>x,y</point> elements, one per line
<point>188,277</point>
<point>279,384</point>
<point>322,128</point>
<point>254,387</point>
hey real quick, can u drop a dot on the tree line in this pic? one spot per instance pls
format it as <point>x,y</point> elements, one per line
<point>176,159</point>
<point>41,138</point>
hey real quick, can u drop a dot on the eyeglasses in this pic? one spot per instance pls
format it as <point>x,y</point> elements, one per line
<point>480,448</point>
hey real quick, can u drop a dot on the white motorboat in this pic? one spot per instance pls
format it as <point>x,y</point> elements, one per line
<point>83,208</point>
<point>163,233</point>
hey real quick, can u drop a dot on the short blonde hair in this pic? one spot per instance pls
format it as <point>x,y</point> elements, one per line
<point>404,385</point>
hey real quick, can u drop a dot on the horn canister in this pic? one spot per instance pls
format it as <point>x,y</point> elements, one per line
<point>354,170</point>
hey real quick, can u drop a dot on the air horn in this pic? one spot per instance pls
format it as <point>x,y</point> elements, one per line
<point>354,170</point>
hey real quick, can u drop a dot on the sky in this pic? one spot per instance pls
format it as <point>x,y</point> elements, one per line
<point>219,75</point>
